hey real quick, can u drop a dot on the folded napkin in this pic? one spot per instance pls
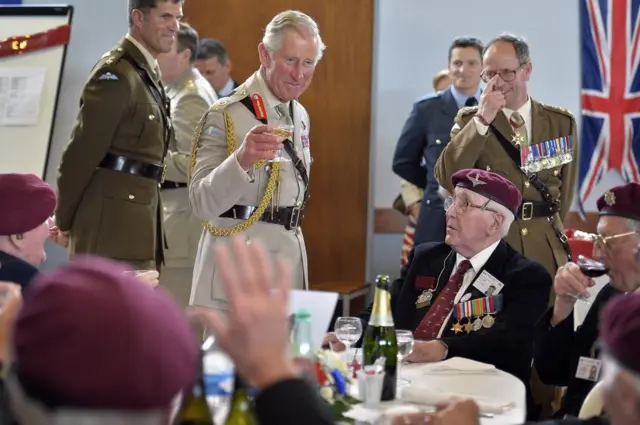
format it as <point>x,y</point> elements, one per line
<point>422,395</point>
<point>458,365</point>
<point>381,414</point>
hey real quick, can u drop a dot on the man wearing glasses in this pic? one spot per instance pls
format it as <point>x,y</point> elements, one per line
<point>564,357</point>
<point>490,136</point>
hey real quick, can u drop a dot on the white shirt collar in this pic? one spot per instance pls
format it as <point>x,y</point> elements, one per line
<point>151,61</point>
<point>227,88</point>
<point>478,261</point>
<point>525,111</point>
<point>271,99</point>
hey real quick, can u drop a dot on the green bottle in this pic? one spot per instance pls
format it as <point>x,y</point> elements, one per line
<point>302,344</point>
<point>241,411</point>
<point>194,409</point>
<point>380,338</point>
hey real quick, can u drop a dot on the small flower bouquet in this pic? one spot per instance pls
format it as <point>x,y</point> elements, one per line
<point>334,379</point>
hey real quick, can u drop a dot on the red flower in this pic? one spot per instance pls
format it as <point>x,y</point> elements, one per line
<point>320,374</point>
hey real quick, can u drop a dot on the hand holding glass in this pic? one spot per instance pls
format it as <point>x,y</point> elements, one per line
<point>282,132</point>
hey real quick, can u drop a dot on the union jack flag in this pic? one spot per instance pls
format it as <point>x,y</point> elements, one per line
<point>610,98</point>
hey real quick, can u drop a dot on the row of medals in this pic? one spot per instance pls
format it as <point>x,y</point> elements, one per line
<point>537,165</point>
<point>424,300</point>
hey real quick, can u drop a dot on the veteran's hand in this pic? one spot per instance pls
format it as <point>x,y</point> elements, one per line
<point>150,277</point>
<point>491,101</point>
<point>427,352</point>
<point>258,144</point>
<point>58,236</point>
<point>332,340</point>
<point>568,284</point>
<point>458,412</point>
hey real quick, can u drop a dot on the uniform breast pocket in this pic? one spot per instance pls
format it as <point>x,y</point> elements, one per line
<point>150,115</point>
<point>435,144</point>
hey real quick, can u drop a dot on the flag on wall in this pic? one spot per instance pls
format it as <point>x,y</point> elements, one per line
<point>610,97</point>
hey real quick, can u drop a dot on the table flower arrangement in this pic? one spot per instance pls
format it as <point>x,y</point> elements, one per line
<point>333,377</point>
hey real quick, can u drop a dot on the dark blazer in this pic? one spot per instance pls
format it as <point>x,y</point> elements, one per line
<point>574,421</point>
<point>424,136</point>
<point>558,350</point>
<point>274,404</point>
<point>16,270</point>
<point>508,344</point>
<point>108,213</point>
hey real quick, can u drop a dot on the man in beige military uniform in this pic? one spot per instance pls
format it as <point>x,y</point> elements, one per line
<point>233,186</point>
<point>108,194</point>
<point>191,96</point>
<point>506,119</point>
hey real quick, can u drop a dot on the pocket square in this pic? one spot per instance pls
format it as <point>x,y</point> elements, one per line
<point>424,282</point>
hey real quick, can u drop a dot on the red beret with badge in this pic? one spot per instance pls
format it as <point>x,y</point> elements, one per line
<point>621,201</point>
<point>27,201</point>
<point>90,335</point>
<point>490,185</point>
<point>620,330</point>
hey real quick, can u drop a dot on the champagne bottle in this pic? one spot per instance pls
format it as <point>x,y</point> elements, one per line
<point>194,409</point>
<point>380,337</point>
<point>241,411</point>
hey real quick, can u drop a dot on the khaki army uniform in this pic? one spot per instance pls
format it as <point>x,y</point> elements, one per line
<point>191,96</point>
<point>108,194</point>
<point>532,236</point>
<point>218,185</point>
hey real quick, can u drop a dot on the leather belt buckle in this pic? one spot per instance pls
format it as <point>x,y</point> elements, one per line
<point>164,172</point>
<point>294,220</point>
<point>527,211</point>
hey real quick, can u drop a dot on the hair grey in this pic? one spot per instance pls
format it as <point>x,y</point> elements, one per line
<point>291,19</point>
<point>519,44</point>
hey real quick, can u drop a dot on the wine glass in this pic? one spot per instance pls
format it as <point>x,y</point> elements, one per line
<point>405,347</point>
<point>282,132</point>
<point>348,330</point>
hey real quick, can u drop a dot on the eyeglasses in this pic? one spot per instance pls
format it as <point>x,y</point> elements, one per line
<point>602,242</point>
<point>507,75</point>
<point>463,204</point>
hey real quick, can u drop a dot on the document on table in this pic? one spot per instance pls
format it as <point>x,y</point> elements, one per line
<point>20,95</point>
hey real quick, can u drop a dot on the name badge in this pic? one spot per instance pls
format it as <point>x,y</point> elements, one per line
<point>589,369</point>
<point>487,284</point>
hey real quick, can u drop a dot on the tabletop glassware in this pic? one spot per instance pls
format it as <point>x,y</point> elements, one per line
<point>282,132</point>
<point>405,347</point>
<point>348,330</point>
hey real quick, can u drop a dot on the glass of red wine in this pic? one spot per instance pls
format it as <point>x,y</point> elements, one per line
<point>592,269</point>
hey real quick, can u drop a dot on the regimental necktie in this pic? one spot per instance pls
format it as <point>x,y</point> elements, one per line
<point>517,122</point>
<point>471,102</point>
<point>429,327</point>
<point>283,111</point>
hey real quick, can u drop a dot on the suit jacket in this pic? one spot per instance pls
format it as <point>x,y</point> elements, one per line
<point>508,344</point>
<point>424,135</point>
<point>534,238</point>
<point>574,421</point>
<point>218,182</point>
<point>191,96</point>
<point>109,213</point>
<point>274,404</point>
<point>16,270</point>
<point>558,350</point>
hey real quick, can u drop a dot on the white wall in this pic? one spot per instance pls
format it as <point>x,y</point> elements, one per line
<point>97,25</point>
<point>412,41</point>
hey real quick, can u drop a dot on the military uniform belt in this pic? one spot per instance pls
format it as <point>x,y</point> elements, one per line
<point>133,166</point>
<point>167,184</point>
<point>289,217</point>
<point>535,209</point>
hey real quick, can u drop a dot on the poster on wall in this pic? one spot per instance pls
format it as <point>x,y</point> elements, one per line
<point>610,97</point>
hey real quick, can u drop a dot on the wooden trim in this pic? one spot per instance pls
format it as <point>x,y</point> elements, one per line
<point>388,221</point>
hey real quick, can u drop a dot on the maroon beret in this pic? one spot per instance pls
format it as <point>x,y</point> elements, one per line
<point>620,330</point>
<point>31,202</point>
<point>621,201</point>
<point>489,185</point>
<point>91,336</point>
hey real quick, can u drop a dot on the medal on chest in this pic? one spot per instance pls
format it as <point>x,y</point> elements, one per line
<point>424,299</point>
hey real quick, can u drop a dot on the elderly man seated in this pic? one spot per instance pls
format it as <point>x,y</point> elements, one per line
<point>28,202</point>
<point>446,294</point>
<point>92,344</point>
<point>567,358</point>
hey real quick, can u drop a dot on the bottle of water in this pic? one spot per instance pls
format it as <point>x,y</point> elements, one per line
<point>219,376</point>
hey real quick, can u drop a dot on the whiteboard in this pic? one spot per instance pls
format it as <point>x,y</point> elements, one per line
<point>24,146</point>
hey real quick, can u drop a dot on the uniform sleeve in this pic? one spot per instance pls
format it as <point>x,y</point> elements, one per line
<point>187,113</point>
<point>292,402</point>
<point>553,349</point>
<point>104,102</point>
<point>461,152</point>
<point>410,193</point>
<point>407,158</point>
<point>217,182</point>
<point>570,175</point>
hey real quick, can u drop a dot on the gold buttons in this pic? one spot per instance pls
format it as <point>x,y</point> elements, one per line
<point>524,231</point>
<point>152,117</point>
<point>298,204</point>
<point>556,173</point>
<point>488,168</point>
<point>132,196</point>
<point>428,202</point>
<point>527,184</point>
<point>438,142</point>
<point>119,49</point>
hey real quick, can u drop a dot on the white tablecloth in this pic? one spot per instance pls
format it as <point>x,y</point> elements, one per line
<point>497,385</point>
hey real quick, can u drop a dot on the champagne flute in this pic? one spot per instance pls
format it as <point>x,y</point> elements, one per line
<point>282,132</point>
<point>405,347</point>
<point>348,330</point>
